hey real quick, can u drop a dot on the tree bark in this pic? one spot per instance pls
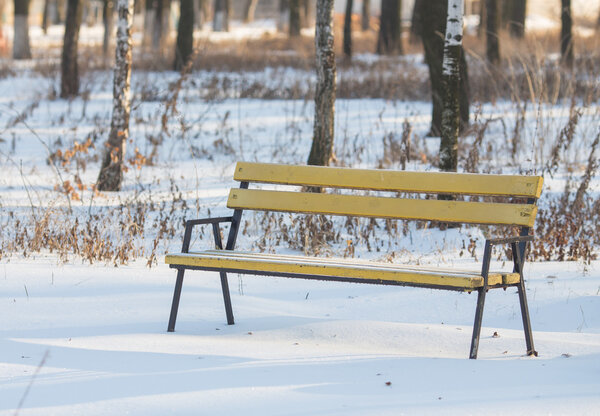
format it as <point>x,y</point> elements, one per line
<point>163,19</point>
<point>221,19</point>
<point>389,41</point>
<point>451,80</point>
<point>249,9</point>
<point>294,22</point>
<point>365,16</point>
<point>321,151</point>
<point>492,39</point>
<point>109,22</point>
<point>284,15</point>
<point>199,13</point>
<point>111,172</point>
<point>566,38</point>
<point>21,44</point>
<point>45,16</point>
<point>347,42</point>
<point>482,26</point>
<point>69,86</point>
<point>149,23</point>
<point>430,17</point>
<point>185,34</point>
<point>516,24</point>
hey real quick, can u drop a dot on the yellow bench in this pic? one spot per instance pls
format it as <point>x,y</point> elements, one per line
<point>516,194</point>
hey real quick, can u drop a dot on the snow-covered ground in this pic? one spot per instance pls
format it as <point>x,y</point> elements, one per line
<point>78,339</point>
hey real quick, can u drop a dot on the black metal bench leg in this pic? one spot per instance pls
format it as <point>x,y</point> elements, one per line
<point>176,296</point>
<point>477,324</point>
<point>526,322</point>
<point>227,298</point>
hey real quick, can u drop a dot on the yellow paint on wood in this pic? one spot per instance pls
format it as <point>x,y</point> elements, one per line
<point>387,180</point>
<point>297,265</point>
<point>382,207</point>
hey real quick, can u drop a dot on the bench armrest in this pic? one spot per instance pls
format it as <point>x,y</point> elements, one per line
<point>190,224</point>
<point>510,240</point>
<point>214,220</point>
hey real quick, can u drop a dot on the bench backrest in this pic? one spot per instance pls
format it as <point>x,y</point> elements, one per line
<point>501,213</point>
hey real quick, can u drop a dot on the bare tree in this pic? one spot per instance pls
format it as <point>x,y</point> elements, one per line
<point>108,19</point>
<point>514,15</point>
<point>221,19</point>
<point>492,39</point>
<point>149,22</point>
<point>249,9</point>
<point>566,34</point>
<point>200,13</point>
<point>347,42</point>
<point>21,45</point>
<point>294,22</point>
<point>430,21</point>
<point>389,41</point>
<point>321,151</point>
<point>185,34</point>
<point>156,24</point>
<point>69,85</point>
<point>45,16</point>
<point>111,172</point>
<point>451,78</point>
<point>365,15</point>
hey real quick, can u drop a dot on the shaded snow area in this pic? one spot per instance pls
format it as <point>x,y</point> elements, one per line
<point>298,347</point>
<point>90,339</point>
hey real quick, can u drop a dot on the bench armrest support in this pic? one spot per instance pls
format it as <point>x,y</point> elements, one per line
<point>190,224</point>
<point>510,240</point>
<point>517,247</point>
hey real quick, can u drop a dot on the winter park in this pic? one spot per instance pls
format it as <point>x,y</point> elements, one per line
<point>299,207</point>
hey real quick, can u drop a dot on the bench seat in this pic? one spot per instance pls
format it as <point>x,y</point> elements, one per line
<point>343,269</point>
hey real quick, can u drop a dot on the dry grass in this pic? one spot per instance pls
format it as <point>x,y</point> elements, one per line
<point>567,226</point>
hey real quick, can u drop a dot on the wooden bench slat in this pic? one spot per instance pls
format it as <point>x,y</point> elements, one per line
<point>381,207</point>
<point>386,180</point>
<point>249,262</point>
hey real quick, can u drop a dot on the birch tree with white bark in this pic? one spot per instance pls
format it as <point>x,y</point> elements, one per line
<point>321,151</point>
<point>111,172</point>
<point>451,80</point>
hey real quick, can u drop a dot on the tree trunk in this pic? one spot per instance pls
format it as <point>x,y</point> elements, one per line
<point>294,22</point>
<point>45,16</point>
<point>21,44</point>
<point>430,17</point>
<point>108,20</point>
<point>111,172</point>
<point>451,81</point>
<point>516,24</point>
<point>249,9</point>
<point>307,12</point>
<point>157,24</point>
<point>365,15</point>
<point>221,19</point>
<point>185,34</point>
<point>199,16</point>
<point>389,41</point>
<point>69,86</point>
<point>492,40</point>
<point>482,26</point>
<point>321,151</point>
<point>347,46</point>
<point>284,15</point>
<point>566,38</point>
<point>149,23</point>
